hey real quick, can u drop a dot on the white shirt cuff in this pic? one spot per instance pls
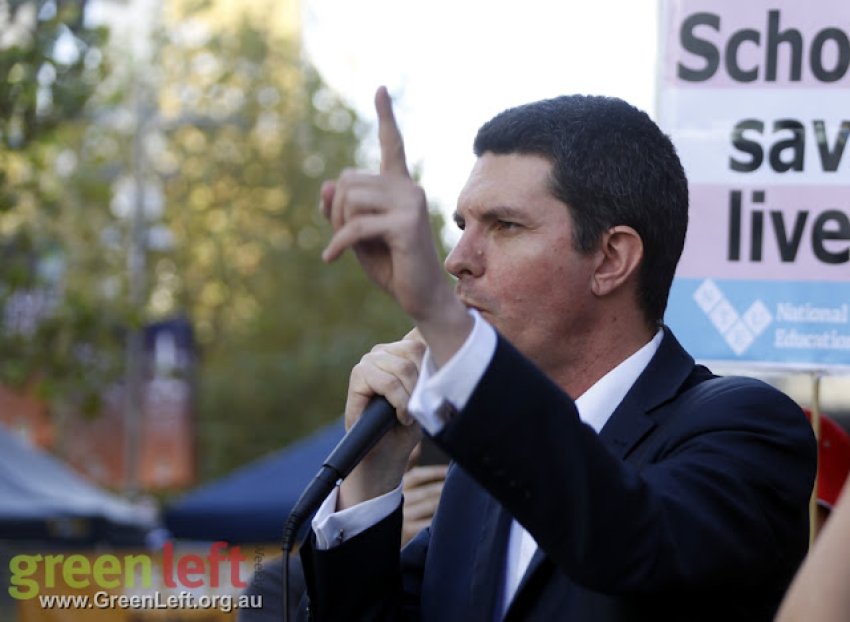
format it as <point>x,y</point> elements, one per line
<point>332,528</point>
<point>455,381</point>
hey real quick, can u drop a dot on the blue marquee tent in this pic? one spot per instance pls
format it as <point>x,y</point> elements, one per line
<point>251,504</point>
<point>43,499</point>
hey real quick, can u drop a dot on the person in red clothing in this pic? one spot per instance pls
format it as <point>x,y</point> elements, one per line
<point>833,467</point>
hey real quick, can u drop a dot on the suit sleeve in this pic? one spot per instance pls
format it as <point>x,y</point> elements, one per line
<point>365,578</point>
<point>720,498</point>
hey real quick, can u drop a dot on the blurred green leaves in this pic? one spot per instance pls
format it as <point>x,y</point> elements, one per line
<point>56,334</point>
<point>237,132</point>
<point>251,133</point>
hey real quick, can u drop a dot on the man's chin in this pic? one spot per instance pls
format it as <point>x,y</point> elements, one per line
<point>485,313</point>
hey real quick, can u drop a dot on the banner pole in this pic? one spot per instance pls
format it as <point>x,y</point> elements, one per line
<point>815,420</point>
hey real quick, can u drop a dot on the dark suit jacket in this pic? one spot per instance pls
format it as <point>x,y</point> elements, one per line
<point>690,504</point>
<point>267,583</point>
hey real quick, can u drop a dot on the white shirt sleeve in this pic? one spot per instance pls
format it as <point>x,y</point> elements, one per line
<point>454,382</point>
<point>333,528</point>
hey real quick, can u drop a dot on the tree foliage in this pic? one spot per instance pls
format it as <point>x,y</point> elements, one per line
<point>251,132</point>
<point>56,333</point>
<point>236,133</point>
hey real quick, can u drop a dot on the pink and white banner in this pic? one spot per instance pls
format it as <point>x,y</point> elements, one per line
<point>756,97</point>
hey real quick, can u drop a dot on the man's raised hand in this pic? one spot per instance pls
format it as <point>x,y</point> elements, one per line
<point>384,218</point>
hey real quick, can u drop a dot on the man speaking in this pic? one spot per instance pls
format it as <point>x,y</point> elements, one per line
<point>599,474</point>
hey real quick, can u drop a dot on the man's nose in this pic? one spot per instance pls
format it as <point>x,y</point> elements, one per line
<point>466,258</point>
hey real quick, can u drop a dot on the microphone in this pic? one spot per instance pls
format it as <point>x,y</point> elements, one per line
<point>377,419</point>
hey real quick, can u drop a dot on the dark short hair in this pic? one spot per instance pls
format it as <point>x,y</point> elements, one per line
<point>611,165</point>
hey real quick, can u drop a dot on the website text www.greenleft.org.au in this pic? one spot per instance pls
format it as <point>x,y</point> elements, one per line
<point>220,567</point>
<point>155,600</point>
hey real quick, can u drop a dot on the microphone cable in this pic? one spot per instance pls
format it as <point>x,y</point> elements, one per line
<point>376,420</point>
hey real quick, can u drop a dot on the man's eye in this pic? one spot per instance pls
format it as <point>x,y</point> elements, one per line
<point>461,224</point>
<point>505,225</point>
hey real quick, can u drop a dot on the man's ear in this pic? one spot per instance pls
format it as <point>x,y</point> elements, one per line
<point>620,253</point>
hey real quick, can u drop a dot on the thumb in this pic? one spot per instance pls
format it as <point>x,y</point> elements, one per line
<point>392,144</point>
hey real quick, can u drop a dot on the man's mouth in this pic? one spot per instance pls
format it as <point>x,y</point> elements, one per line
<point>472,304</point>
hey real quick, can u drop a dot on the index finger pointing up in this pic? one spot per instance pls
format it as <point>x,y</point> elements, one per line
<point>389,136</point>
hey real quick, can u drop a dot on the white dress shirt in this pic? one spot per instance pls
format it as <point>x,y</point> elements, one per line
<point>455,382</point>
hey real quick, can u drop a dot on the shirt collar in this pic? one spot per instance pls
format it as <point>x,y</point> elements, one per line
<point>597,404</point>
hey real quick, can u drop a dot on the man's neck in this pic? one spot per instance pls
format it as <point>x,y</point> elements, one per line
<point>598,354</point>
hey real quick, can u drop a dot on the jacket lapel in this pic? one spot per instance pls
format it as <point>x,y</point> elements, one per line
<point>660,382</point>
<point>537,569</point>
<point>488,575</point>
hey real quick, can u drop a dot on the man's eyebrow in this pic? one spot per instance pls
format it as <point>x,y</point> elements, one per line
<point>499,212</point>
